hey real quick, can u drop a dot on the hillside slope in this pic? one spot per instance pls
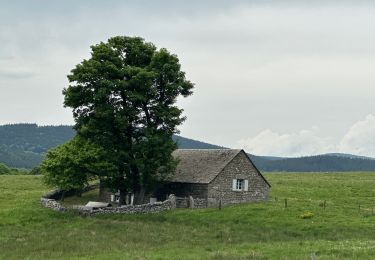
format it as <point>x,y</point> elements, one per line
<point>23,145</point>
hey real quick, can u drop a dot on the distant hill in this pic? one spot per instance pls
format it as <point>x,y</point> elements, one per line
<point>318,163</point>
<point>24,145</point>
<point>347,155</point>
<point>186,143</point>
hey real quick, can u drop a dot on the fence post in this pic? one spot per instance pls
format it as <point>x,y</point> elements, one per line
<point>220,204</point>
<point>359,208</point>
<point>286,203</point>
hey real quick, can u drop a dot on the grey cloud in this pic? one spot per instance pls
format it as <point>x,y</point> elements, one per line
<point>359,140</point>
<point>16,74</point>
<point>6,57</point>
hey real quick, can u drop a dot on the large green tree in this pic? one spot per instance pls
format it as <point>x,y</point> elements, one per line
<point>124,100</point>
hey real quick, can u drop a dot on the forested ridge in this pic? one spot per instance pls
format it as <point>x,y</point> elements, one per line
<point>24,145</point>
<point>34,138</point>
<point>317,163</point>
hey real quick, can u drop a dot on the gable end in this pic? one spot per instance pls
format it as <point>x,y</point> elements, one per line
<point>261,175</point>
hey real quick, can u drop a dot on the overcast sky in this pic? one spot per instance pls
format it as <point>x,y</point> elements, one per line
<point>285,78</point>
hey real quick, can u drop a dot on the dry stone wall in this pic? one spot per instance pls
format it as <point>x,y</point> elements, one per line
<point>52,204</point>
<point>190,202</point>
<point>200,203</point>
<point>48,201</point>
<point>155,207</point>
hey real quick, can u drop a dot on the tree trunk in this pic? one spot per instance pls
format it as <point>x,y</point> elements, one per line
<point>139,196</point>
<point>62,196</point>
<point>122,197</point>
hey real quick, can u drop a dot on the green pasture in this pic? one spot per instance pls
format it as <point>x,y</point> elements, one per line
<point>342,225</point>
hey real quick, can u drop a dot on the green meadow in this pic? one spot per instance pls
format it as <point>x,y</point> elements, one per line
<point>329,215</point>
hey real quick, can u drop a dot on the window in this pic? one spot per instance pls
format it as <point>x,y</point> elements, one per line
<point>240,185</point>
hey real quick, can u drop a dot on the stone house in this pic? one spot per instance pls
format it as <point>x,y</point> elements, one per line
<point>208,177</point>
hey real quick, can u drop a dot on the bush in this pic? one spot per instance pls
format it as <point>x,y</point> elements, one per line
<point>4,169</point>
<point>307,215</point>
<point>35,171</point>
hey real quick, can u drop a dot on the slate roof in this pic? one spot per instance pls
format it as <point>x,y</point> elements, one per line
<point>201,165</point>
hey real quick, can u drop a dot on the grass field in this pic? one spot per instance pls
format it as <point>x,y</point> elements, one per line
<point>345,229</point>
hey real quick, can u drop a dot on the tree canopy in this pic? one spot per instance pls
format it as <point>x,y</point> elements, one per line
<point>124,101</point>
<point>73,164</point>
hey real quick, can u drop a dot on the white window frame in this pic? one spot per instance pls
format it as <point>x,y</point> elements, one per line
<point>240,185</point>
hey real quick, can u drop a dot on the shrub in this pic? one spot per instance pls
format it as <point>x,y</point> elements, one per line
<point>4,169</point>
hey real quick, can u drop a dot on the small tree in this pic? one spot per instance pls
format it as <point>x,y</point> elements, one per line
<point>124,101</point>
<point>71,165</point>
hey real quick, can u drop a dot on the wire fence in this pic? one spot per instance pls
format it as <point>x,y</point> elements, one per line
<point>364,206</point>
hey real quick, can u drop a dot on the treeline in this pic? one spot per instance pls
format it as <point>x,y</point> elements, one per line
<point>318,163</point>
<point>5,170</point>
<point>34,138</point>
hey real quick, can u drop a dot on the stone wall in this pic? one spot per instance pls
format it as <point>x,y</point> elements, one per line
<point>239,168</point>
<point>155,207</point>
<point>190,202</point>
<point>50,199</point>
<point>53,204</point>
<point>200,203</point>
